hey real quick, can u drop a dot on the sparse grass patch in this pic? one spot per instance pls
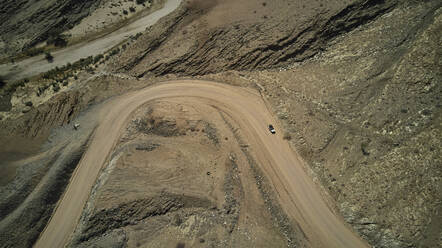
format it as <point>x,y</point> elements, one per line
<point>34,51</point>
<point>66,71</point>
<point>137,36</point>
<point>11,87</point>
<point>211,133</point>
<point>114,52</point>
<point>42,89</point>
<point>98,58</point>
<point>56,88</point>
<point>287,136</point>
<point>57,40</point>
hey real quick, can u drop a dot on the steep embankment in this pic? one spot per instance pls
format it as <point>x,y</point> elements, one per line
<point>179,175</point>
<point>26,23</point>
<point>264,35</point>
<point>38,157</point>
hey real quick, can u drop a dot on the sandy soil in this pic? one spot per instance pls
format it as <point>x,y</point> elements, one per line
<point>299,196</point>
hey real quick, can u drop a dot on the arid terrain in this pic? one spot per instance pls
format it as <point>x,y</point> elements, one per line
<point>171,146</point>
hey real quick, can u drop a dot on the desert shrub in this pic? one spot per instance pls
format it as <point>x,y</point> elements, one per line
<point>287,136</point>
<point>364,149</point>
<point>57,40</point>
<point>55,86</point>
<point>2,82</point>
<point>42,89</point>
<point>11,87</point>
<point>49,57</point>
<point>33,51</point>
<point>138,35</point>
<point>143,1</point>
<point>115,51</point>
<point>98,58</point>
<point>211,133</point>
<point>64,72</point>
<point>132,9</point>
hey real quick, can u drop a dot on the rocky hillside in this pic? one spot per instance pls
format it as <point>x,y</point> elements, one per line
<point>26,23</point>
<point>254,35</point>
<point>355,83</point>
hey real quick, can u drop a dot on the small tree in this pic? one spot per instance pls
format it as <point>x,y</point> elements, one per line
<point>57,40</point>
<point>49,57</point>
<point>2,82</point>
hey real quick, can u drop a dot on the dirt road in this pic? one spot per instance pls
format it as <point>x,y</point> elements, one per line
<point>38,64</point>
<point>298,195</point>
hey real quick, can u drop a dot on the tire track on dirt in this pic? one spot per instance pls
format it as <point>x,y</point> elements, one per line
<point>299,197</point>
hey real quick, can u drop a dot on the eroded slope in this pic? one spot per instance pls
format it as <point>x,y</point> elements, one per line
<point>178,177</point>
<point>364,109</point>
<point>356,85</point>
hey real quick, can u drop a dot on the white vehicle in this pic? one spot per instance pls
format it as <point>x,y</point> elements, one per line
<point>272,129</point>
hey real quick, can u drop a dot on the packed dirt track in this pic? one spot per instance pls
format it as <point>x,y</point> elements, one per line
<point>299,196</point>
